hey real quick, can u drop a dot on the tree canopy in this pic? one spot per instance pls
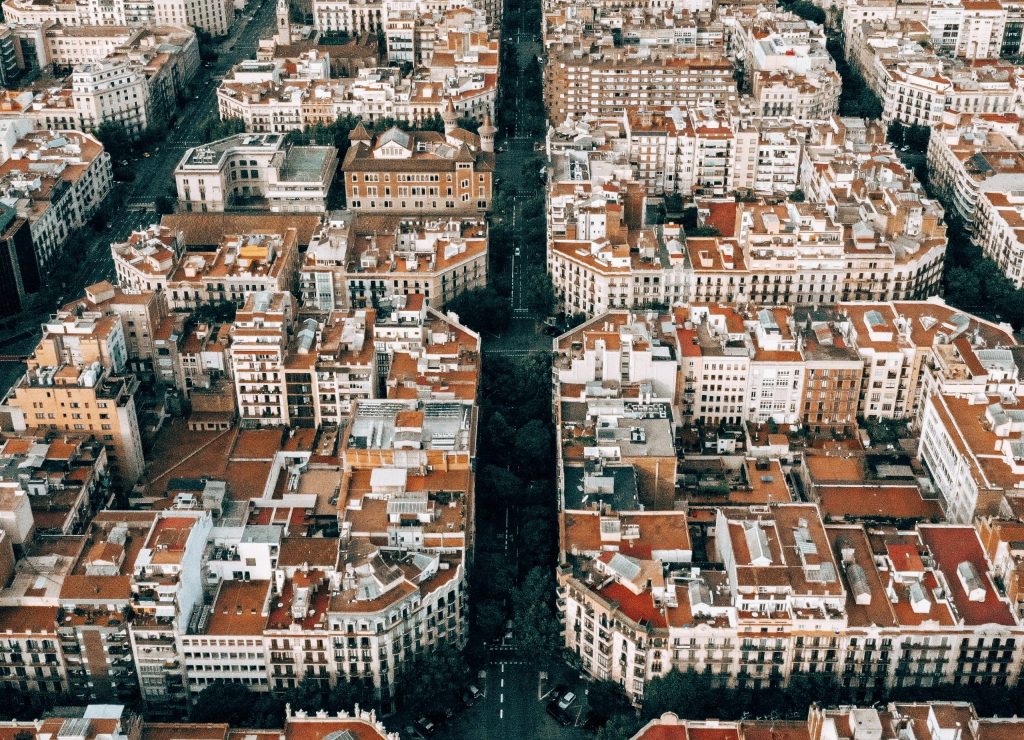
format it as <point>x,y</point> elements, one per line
<point>434,680</point>
<point>536,628</point>
<point>482,309</point>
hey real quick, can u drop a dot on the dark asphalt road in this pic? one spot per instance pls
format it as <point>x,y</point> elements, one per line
<point>512,166</point>
<point>511,708</point>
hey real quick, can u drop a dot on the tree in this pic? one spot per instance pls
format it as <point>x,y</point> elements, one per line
<point>207,53</point>
<point>494,576</point>
<point>619,727</point>
<point>163,205</point>
<point>436,123</point>
<point>797,196</point>
<point>704,231</point>
<point>533,231</point>
<point>608,699</point>
<point>806,10</point>
<point>688,694</point>
<point>267,712</point>
<point>468,123</point>
<point>674,203</point>
<point>115,139</point>
<point>309,695</point>
<point>917,138</point>
<point>869,104</point>
<point>894,133</point>
<point>498,433</point>
<point>434,680</point>
<point>222,701</point>
<point>344,695</point>
<point>540,292</point>
<point>538,537</point>
<point>537,631</point>
<point>481,309</point>
<point>221,128</point>
<point>489,620</point>
<point>498,486</point>
<point>533,448</point>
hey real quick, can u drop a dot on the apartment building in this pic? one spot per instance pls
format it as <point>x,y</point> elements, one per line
<point>243,264</point>
<point>803,97</point>
<point>601,254</point>
<point>32,659</point>
<point>268,99</point>
<point>143,261</point>
<point>820,366</point>
<point>165,594</point>
<point>57,485</point>
<point>168,55</point>
<point>226,642</point>
<point>898,233</point>
<point>580,82</point>
<point>259,340</point>
<point>708,152</point>
<point>360,261</point>
<point>785,62</point>
<point>107,408</point>
<point>347,563</point>
<point>773,254</point>
<point>930,720</point>
<point>310,379</point>
<point>95,595</point>
<point>353,17</point>
<point>997,229</point>
<point>916,85</point>
<point>131,77</point>
<point>685,27</point>
<point>213,16</point>
<point>116,722</point>
<point>972,152</point>
<point>12,60</point>
<point>255,171</point>
<point>865,230</point>
<point>111,91</point>
<point>972,30</point>
<point>141,314</point>
<point>875,611</point>
<point>56,180</point>
<point>76,383</point>
<point>420,172</point>
<point>969,452</point>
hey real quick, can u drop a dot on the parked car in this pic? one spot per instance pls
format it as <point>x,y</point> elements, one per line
<point>559,714</point>
<point>566,700</point>
<point>424,726</point>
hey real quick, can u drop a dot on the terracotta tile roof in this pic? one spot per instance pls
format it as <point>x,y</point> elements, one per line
<point>208,229</point>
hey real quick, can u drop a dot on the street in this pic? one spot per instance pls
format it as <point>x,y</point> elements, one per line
<point>154,175</point>
<point>511,707</point>
<point>132,205</point>
<point>513,167</point>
